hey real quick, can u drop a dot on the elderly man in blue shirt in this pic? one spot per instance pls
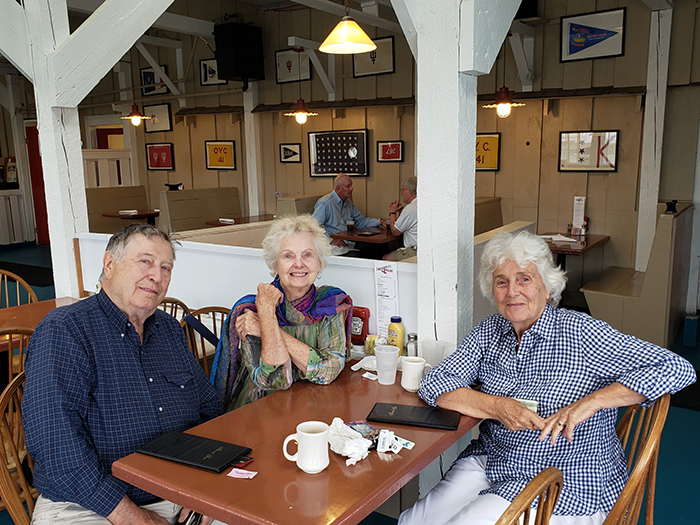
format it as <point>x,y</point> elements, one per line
<point>546,373</point>
<point>333,211</point>
<point>105,376</point>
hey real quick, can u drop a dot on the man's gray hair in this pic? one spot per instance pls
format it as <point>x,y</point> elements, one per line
<point>522,248</point>
<point>281,228</point>
<point>339,179</point>
<point>411,184</point>
<point>119,243</point>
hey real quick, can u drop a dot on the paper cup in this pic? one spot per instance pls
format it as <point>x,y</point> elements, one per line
<point>387,360</point>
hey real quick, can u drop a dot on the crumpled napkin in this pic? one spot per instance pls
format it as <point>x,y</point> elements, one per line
<point>347,442</point>
<point>369,362</point>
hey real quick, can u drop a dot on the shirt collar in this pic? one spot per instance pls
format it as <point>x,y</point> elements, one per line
<point>542,327</point>
<point>337,199</point>
<point>119,318</point>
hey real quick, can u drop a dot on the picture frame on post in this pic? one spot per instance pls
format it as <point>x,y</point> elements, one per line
<point>160,156</point>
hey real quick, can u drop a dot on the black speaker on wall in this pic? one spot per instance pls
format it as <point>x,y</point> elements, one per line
<point>239,51</point>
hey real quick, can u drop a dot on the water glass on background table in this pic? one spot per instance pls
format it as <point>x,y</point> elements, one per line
<point>433,351</point>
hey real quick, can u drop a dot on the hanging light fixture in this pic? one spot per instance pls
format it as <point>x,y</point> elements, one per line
<point>504,102</point>
<point>347,38</point>
<point>135,116</point>
<point>300,113</point>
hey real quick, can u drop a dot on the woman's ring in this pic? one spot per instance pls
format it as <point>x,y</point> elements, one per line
<point>560,423</point>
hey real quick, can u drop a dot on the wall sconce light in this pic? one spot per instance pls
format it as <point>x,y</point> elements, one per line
<point>347,38</point>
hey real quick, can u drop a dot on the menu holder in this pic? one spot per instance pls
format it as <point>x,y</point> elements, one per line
<point>418,416</point>
<point>195,451</point>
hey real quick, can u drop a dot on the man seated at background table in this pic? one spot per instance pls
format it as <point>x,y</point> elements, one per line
<point>105,376</point>
<point>333,211</point>
<point>406,223</point>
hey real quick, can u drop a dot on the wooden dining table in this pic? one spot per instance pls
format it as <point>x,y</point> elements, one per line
<point>280,493</point>
<point>243,220</point>
<point>149,215</point>
<point>580,245</point>
<point>373,235</point>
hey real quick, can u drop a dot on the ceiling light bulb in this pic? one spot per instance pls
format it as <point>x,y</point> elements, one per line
<point>503,110</point>
<point>301,118</point>
<point>135,120</point>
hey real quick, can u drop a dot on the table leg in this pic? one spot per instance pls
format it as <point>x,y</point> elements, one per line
<point>151,221</point>
<point>561,260</point>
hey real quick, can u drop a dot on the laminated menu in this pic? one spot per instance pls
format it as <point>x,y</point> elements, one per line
<point>418,416</point>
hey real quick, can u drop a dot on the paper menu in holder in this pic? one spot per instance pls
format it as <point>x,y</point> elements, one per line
<point>128,212</point>
<point>579,215</point>
<point>387,292</point>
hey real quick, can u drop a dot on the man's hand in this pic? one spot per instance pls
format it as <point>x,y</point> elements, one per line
<point>248,323</point>
<point>395,207</point>
<point>128,513</point>
<point>338,242</point>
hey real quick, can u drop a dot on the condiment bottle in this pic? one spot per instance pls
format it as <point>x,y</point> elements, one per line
<point>412,345</point>
<point>360,325</point>
<point>396,333</point>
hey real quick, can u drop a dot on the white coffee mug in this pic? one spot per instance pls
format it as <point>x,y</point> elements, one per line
<point>412,371</point>
<point>312,446</point>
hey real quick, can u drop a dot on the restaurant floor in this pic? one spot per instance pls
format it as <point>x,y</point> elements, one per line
<point>677,487</point>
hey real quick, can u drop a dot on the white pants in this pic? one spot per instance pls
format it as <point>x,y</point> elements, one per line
<point>456,501</point>
<point>49,512</point>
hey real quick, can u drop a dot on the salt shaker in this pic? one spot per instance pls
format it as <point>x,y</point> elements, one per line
<point>412,345</point>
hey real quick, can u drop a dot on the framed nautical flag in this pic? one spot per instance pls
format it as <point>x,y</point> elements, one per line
<point>593,35</point>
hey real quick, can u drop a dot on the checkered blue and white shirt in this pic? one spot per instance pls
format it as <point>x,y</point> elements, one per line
<point>563,357</point>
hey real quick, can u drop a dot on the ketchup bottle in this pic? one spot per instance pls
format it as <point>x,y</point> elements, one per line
<point>360,325</point>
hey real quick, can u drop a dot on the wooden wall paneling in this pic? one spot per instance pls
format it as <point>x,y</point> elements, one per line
<point>403,80</point>
<point>526,175</point>
<point>548,213</point>
<point>323,122</point>
<point>268,163</point>
<point>486,122</point>
<point>366,87</point>
<point>384,183</point>
<point>680,143</point>
<point>554,9</point>
<point>356,118</point>
<point>538,57</point>
<point>289,90</point>
<point>552,71</point>
<point>270,92</point>
<point>295,173</point>
<point>204,130</point>
<point>344,62</point>
<point>179,7</point>
<point>506,178</point>
<point>321,24</point>
<point>631,69</point>
<point>695,51</point>
<point>225,130</point>
<point>681,55</point>
<point>183,157</point>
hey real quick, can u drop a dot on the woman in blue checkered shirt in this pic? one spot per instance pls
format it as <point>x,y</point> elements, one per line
<point>551,381</point>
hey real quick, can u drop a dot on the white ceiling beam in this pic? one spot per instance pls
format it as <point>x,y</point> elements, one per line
<point>159,72</point>
<point>523,52</point>
<point>76,72</point>
<point>337,9</point>
<point>403,10</point>
<point>658,5</point>
<point>4,97</point>
<point>14,41</point>
<point>168,21</point>
<point>328,80</point>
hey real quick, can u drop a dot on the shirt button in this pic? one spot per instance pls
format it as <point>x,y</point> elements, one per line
<point>182,386</point>
<point>160,408</point>
<point>150,380</point>
<point>122,335</point>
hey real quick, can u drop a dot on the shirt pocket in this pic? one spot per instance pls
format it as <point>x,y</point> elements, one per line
<point>183,395</point>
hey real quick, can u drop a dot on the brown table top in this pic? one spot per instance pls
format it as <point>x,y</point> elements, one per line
<point>29,315</point>
<point>140,214</point>
<point>243,220</point>
<point>281,493</point>
<point>583,244</point>
<point>374,235</point>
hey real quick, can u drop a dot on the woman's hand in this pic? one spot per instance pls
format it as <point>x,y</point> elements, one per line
<point>516,416</point>
<point>565,420</point>
<point>268,297</point>
<point>247,324</point>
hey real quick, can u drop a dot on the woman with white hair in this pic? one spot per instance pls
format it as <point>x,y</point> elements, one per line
<point>544,372</point>
<point>291,330</point>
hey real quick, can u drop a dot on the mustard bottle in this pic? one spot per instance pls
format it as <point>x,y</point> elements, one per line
<point>396,334</point>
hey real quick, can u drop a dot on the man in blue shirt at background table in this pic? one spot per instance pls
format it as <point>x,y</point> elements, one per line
<point>105,376</point>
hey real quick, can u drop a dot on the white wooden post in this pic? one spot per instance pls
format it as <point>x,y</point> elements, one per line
<point>253,162</point>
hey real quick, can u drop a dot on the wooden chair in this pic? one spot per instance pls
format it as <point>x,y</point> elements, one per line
<point>174,307</point>
<point>16,466</point>
<point>213,318</point>
<point>547,486</point>
<point>19,283</point>
<point>14,341</point>
<point>639,431</point>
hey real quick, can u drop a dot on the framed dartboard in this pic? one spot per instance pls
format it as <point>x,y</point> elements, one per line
<point>335,152</point>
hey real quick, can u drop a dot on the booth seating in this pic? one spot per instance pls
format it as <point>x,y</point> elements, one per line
<point>297,204</point>
<point>101,200</point>
<point>248,235</point>
<point>487,214</point>
<point>649,305</point>
<point>191,209</point>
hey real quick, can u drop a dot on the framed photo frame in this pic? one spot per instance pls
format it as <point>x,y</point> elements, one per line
<point>148,79</point>
<point>588,150</point>
<point>488,151</point>
<point>160,118</point>
<point>209,73</point>
<point>160,156</point>
<point>593,35</point>
<point>390,151</point>
<point>221,154</point>
<point>377,62</point>
<point>292,66</point>
<point>290,152</point>
<point>335,152</point>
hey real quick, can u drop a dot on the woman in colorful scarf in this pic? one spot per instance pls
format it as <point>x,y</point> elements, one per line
<point>291,330</point>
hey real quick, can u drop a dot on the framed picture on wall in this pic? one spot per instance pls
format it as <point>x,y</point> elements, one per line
<point>588,150</point>
<point>209,73</point>
<point>160,118</point>
<point>152,85</point>
<point>377,62</point>
<point>488,151</point>
<point>221,154</point>
<point>290,152</point>
<point>292,66</point>
<point>160,156</point>
<point>334,152</point>
<point>390,151</point>
<point>593,35</point>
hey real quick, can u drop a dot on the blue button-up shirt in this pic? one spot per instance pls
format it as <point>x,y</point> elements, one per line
<point>95,394</point>
<point>332,213</point>
<point>563,357</point>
